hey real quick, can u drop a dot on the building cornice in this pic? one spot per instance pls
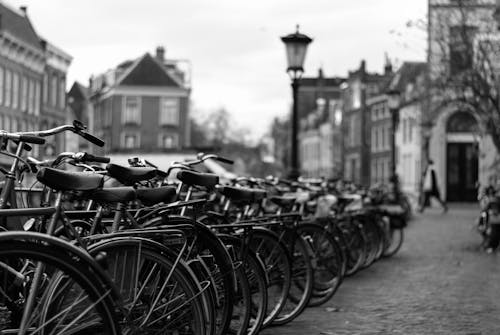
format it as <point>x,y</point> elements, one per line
<point>57,58</point>
<point>147,91</point>
<point>22,53</point>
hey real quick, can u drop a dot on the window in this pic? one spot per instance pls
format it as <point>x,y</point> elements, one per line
<point>15,90</point>
<point>130,140</point>
<point>1,85</point>
<point>45,88</point>
<point>31,96</point>
<point>24,93</point>
<point>62,93</point>
<point>169,111</point>
<point>381,142</point>
<point>37,98</point>
<point>53,91</point>
<point>461,48</point>
<point>6,124</point>
<point>169,141</point>
<point>8,87</point>
<point>404,126</point>
<point>14,125</point>
<point>107,116</point>
<point>131,110</point>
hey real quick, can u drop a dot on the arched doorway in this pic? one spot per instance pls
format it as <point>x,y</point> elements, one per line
<point>462,164</point>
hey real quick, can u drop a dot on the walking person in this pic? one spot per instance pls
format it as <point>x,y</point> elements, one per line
<point>431,188</point>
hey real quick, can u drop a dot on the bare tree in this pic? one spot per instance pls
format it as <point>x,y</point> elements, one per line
<point>464,44</point>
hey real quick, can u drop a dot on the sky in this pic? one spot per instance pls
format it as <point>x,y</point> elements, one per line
<point>238,60</point>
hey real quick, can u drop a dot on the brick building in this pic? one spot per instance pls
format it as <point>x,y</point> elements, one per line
<point>32,78</point>
<point>141,105</point>
<point>356,120</point>
<point>320,141</point>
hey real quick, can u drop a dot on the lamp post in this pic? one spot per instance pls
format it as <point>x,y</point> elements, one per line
<point>393,102</point>
<point>296,48</point>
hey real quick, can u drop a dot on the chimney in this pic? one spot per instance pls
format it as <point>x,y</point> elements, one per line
<point>388,64</point>
<point>24,9</point>
<point>320,72</point>
<point>362,67</point>
<point>160,54</point>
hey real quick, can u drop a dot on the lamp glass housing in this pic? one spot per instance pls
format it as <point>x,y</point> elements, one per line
<point>393,99</point>
<point>296,48</point>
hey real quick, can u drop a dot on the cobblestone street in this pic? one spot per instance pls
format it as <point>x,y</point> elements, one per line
<point>439,283</point>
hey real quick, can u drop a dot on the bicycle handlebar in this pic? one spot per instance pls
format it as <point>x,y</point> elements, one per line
<point>77,127</point>
<point>21,137</point>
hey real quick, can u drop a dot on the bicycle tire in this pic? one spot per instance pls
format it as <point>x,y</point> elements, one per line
<point>57,259</point>
<point>327,262</point>
<point>134,257</point>
<point>224,277</point>
<point>302,280</point>
<point>273,253</point>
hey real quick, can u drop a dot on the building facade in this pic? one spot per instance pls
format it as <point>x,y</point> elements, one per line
<point>141,105</point>
<point>380,139</point>
<point>410,80</point>
<point>452,138</point>
<point>32,79</point>
<point>320,140</point>
<point>356,120</point>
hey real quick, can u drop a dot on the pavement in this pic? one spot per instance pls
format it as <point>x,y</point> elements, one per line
<point>440,282</point>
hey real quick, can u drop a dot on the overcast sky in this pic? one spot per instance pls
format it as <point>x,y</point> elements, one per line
<point>237,57</point>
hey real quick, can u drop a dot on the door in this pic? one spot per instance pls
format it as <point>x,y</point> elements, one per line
<point>462,172</point>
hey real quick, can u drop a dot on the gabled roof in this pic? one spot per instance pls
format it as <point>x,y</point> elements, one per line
<point>79,91</point>
<point>407,73</point>
<point>147,71</point>
<point>18,24</point>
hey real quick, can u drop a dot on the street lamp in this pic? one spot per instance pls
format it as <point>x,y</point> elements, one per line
<point>296,48</point>
<point>393,102</point>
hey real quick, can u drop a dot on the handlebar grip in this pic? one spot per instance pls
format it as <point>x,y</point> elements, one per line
<point>91,138</point>
<point>31,139</point>
<point>97,159</point>
<point>225,160</point>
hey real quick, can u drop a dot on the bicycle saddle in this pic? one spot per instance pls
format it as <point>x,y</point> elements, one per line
<point>114,194</point>
<point>131,175</point>
<point>197,178</point>
<point>241,194</point>
<point>284,201</point>
<point>69,181</point>
<point>152,196</point>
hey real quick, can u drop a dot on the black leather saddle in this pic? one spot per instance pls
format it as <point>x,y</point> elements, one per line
<point>283,201</point>
<point>152,196</point>
<point>131,175</point>
<point>114,195</point>
<point>61,180</point>
<point>242,194</point>
<point>197,178</point>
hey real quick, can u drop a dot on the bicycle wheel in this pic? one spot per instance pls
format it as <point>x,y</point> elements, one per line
<point>372,241</point>
<point>83,304</point>
<point>159,293</point>
<point>254,270</point>
<point>274,255</point>
<point>302,279</point>
<point>395,238</point>
<point>326,260</point>
<point>206,243</point>
<point>241,304</point>
<point>356,245</point>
